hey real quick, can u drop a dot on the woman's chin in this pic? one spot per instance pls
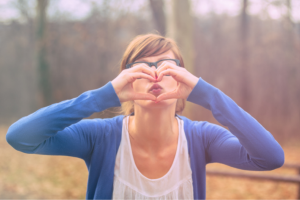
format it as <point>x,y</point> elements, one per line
<point>152,104</point>
<point>163,102</point>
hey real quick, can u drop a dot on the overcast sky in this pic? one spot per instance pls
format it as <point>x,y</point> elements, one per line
<point>79,9</point>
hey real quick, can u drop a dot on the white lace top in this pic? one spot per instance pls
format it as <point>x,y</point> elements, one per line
<point>130,183</point>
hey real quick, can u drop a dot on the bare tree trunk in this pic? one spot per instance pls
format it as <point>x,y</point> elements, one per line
<point>244,68</point>
<point>180,28</point>
<point>289,81</point>
<point>289,9</point>
<point>157,7</point>
<point>288,25</point>
<point>43,66</point>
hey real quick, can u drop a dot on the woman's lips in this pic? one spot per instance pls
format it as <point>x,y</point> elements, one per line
<point>156,91</point>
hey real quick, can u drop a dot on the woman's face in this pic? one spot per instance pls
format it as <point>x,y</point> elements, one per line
<point>167,84</point>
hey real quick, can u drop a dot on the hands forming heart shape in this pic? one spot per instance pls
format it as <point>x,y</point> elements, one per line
<point>124,89</point>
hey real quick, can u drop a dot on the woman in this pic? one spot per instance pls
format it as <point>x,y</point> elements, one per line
<point>151,151</point>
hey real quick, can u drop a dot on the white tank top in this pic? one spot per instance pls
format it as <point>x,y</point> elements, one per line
<point>130,183</point>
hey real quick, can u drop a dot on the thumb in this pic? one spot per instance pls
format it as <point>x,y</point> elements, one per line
<point>144,96</point>
<point>168,95</point>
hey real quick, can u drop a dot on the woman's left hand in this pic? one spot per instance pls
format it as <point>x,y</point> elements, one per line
<point>185,81</point>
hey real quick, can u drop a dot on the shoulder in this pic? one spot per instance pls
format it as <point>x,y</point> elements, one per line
<point>194,126</point>
<point>106,132</point>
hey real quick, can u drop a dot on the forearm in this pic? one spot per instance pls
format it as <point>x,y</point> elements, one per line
<point>32,130</point>
<point>258,142</point>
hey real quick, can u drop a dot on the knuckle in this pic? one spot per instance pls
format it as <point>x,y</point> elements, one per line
<point>129,77</point>
<point>144,69</point>
<point>144,66</point>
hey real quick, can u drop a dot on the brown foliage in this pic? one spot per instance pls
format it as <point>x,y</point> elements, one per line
<point>85,55</point>
<point>273,71</point>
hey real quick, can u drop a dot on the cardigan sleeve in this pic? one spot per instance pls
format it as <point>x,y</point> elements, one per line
<point>58,129</point>
<point>247,145</point>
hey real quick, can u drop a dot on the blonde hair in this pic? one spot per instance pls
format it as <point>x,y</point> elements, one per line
<point>145,46</point>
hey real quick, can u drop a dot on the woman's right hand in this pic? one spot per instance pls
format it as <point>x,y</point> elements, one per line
<point>123,83</point>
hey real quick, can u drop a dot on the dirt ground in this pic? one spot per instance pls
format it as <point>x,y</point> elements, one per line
<point>26,176</point>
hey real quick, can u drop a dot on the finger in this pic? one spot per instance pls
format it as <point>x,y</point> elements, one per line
<point>171,72</point>
<point>167,65</point>
<point>168,95</point>
<point>136,75</point>
<point>145,69</point>
<point>144,96</point>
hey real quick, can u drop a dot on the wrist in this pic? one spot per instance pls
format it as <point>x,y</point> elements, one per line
<point>202,94</point>
<point>193,81</point>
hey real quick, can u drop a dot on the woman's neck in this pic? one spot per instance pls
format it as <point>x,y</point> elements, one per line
<point>153,130</point>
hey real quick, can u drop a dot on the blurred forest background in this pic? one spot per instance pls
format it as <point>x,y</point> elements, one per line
<point>53,50</point>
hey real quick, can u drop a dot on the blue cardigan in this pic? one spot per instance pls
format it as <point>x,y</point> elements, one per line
<point>60,129</point>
